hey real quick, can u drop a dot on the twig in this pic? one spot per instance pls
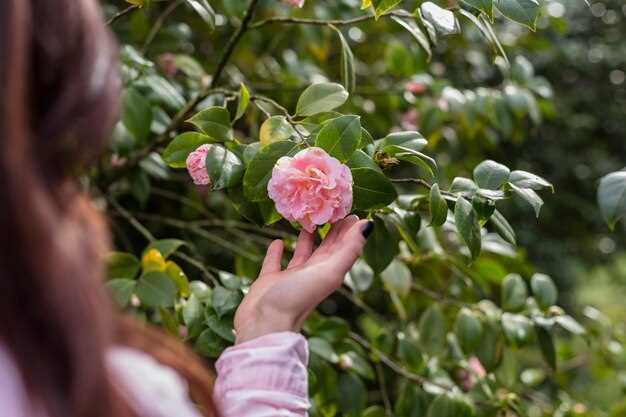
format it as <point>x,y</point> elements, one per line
<point>418,181</point>
<point>131,219</point>
<point>436,296</point>
<point>383,389</point>
<point>360,303</point>
<point>159,23</point>
<point>322,22</point>
<point>121,14</point>
<point>396,367</point>
<point>197,264</point>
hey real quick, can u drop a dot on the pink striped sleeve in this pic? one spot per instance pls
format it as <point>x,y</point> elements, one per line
<point>264,377</point>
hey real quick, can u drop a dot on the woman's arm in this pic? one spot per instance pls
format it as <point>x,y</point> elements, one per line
<point>265,373</point>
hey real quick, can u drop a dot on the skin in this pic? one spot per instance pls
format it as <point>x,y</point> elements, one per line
<point>280,300</point>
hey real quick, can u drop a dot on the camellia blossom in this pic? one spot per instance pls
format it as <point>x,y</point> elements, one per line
<point>196,165</point>
<point>294,3</point>
<point>311,188</point>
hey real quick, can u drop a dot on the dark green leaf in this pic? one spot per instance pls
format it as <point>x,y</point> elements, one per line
<point>192,310</point>
<point>224,167</point>
<point>530,196</point>
<point>432,330</point>
<point>371,189</point>
<point>221,326</point>
<point>176,153</point>
<point>612,197</point>
<point>340,137</point>
<point>136,114</point>
<point>166,247</point>
<point>518,329</point>
<point>438,207</point>
<point>360,277</point>
<point>122,265</point>
<point>544,290</point>
<point>504,229</point>
<point>225,301</point>
<point>570,324</point>
<point>485,6</point>
<point>215,122</point>
<point>323,349</point>
<point>397,278</point>
<point>416,32</point>
<point>523,179</point>
<point>204,10</point>
<point>450,405</point>
<point>259,171</point>
<point>121,289</point>
<point>546,344</point>
<point>209,344</point>
<point>352,395</point>
<point>468,330</point>
<point>467,225</point>
<point>441,19</point>
<point>410,140</point>
<point>520,11</point>
<point>380,248</point>
<point>348,76</point>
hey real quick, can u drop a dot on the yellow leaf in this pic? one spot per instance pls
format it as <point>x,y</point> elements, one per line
<point>275,129</point>
<point>152,260</point>
<point>365,4</point>
<point>177,275</point>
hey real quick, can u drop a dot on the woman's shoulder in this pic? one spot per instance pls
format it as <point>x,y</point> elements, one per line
<point>152,389</point>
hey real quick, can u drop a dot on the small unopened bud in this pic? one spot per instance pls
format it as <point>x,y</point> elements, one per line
<point>345,361</point>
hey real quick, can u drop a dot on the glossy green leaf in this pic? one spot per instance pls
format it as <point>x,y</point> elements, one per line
<point>380,248</point>
<point>259,171</point>
<point>340,137</point>
<point>397,278</point>
<point>136,114</point>
<point>177,275</point>
<point>467,225</point>
<point>523,179</point>
<point>416,32</point>
<point>491,175</point>
<point>352,395</point>
<point>529,196</point>
<point>612,197</point>
<point>410,140</point>
<point>348,75</point>
<point>432,330</point>
<point>192,310</point>
<point>214,122</point>
<point>441,19</point>
<point>224,167</point>
<point>524,12</point>
<point>371,189</point>
<point>570,324</point>
<point>209,344</point>
<point>276,129</point>
<point>438,207</point>
<point>223,327</point>
<point>449,405</point>
<point>121,265</point>
<point>319,98</point>
<point>121,289</point>
<point>244,100</point>
<point>383,6</point>
<point>204,10</point>
<point>544,290</point>
<point>360,277</point>
<point>177,151</point>
<point>517,329</point>
<point>468,329</point>
<point>323,349</point>
<point>503,227</point>
<point>485,6</point>
<point>166,247</point>
<point>546,345</point>
<point>225,301</point>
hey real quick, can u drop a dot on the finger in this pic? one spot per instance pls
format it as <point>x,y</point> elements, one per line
<point>274,254</point>
<point>335,231</point>
<point>350,246</point>
<point>304,247</point>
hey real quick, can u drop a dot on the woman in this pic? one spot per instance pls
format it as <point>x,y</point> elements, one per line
<point>62,351</point>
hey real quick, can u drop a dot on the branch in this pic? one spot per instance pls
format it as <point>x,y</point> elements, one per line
<point>322,22</point>
<point>121,14</point>
<point>159,23</point>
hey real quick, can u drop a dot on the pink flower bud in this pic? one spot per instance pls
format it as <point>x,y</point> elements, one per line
<point>196,165</point>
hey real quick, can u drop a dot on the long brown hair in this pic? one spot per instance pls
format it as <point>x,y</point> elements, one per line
<point>59,91</point>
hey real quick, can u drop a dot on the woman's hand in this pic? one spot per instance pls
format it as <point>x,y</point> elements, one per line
<point>281,300</point>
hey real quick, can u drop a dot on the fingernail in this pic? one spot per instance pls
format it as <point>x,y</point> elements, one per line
<point>367,229</point>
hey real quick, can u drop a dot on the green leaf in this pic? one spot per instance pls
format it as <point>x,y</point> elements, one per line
<point>570,324</point>
<point>161,90</point>
<point>450,405</point>
<point>225,301</point>
<point>204,10</point>
<point>176,153</point>
<point>156,289</point>
<point>276,129</point>
<point>358,364</point>
<point>517,329</point>
<point>490,349</point>
<point>260,168</point>
<point>524,12</point>
<point>374,411</point>
<point>467,225</point>
<point>319,98</point>
<point>463,185</point>
<point>323,349</point>
<point>503,228</point>
<point>215,122</point>
<point>409,140</point>
<point>612,197</point>
<point>166,247</point>
<point>222,327</point>
<point>189,66</point>
<point>441,19</point>
<point>546,345</point>
<point>485,6</point>
<point>371,189</point>
<point>514,293</point>
<point>179,278</point>
<point>530,196</point>
<point>544,290</point>
<point>121,265</point>
<point>432,330</point>
<point>468,330</point>
<point>202,291</point>
<point>352,395</point>
<point>136,114</point>
<point>383,6</point>
<point>224,167</point>
<point>360,277</point>
<point>491,175</point>
<point>416,32</point>
<point>438,207</point>
<point>244,100</point>
<point>523,179</point>
<point>209,344</point>
<point>348,76</point>
<point>192,310</point>
<point>397,278</point>
<point>168,321</point>
<point>380,248</point>
<point>360,159</point>
<point>340,137</point>
<point>121,289</point>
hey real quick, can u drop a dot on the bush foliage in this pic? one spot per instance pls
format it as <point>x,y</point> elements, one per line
<point>444,315</point>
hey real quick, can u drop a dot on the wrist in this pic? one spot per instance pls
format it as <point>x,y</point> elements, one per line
<point>264,323</point>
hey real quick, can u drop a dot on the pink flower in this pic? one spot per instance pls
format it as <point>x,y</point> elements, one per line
<point>312,188</point>
<point>196,165</point>
<point>294,3</point>
<point>415,87</point>
<point>476,367</point>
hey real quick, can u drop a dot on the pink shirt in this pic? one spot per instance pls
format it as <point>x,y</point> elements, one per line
<point>264,377</point>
